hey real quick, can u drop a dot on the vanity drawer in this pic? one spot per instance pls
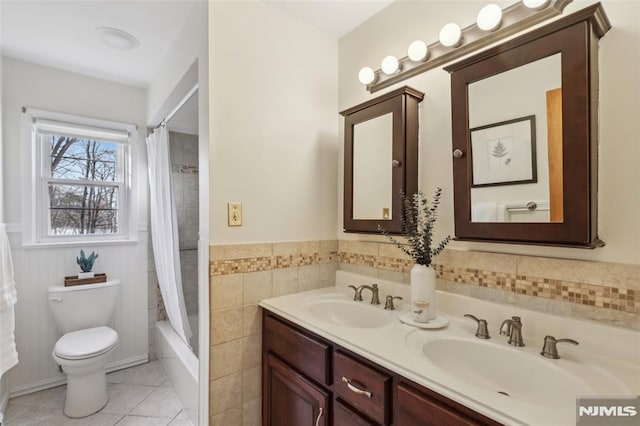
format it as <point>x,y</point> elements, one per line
<point>363,387</point>
<point>345,416</point>
<point>299,350</point>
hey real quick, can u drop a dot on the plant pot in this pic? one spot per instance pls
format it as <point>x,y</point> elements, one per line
<point>423,293</point>
<point>82,275</point>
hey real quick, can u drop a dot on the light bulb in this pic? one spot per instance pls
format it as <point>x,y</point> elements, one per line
<point>536,4</point>
<point>489,17</point>
<point>418,51</point>
<point>366,75</point>
<point>390,65</point>
<point>450,35</point>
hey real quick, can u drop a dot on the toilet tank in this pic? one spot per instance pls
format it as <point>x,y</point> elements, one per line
<point>83,306</point>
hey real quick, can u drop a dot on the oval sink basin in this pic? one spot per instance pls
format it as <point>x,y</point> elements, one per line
<point>507,371</point>
<point>349,314</point>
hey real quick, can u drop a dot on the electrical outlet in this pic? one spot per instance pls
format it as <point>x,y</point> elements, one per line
<point>234,214</point>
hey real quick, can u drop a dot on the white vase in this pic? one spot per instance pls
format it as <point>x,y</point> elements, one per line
<point>423,293</point>
<point>82,275</point>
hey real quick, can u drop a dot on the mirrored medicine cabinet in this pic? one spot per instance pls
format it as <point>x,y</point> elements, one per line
<point>524,127</point>
<point>380,160</point>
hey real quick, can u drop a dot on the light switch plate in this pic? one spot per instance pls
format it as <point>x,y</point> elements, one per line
<point>234,216</point>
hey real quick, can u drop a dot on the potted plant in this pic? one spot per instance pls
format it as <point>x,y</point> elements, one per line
<point>418,222</point>
<point>86,264</point>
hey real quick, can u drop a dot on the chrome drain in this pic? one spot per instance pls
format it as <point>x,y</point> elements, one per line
<point>503,393</point>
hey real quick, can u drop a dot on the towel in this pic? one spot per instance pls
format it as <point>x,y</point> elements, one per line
<point>8,298</point>
<point>485,211</point>
<point>8,352</point>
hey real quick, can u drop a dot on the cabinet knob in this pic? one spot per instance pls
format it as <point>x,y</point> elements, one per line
<point>395,163</point>
<point>458,153</point>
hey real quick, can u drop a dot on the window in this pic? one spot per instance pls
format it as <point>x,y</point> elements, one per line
<point>81,184</point>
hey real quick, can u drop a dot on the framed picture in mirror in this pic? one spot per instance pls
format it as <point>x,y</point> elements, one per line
<point>504,153</point>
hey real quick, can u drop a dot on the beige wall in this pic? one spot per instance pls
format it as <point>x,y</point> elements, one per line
<point>241,276</point>
<point>391,31</point>
<point>274,125</point>
<point>274,148</point>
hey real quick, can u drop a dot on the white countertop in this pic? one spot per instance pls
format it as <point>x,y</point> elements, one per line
<point>606,361</point>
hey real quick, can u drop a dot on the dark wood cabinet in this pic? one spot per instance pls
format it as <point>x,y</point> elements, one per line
<point>310,381</point>
<point>292,400</point>
<point>415,408</point>
<point>343,415</point>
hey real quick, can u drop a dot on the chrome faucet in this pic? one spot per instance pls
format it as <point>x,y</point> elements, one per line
<point>357,296</point>
<point>550,350</point>
<point>513,330</point>
<point>388,304</point>
<point>375,300</point>
<point>482,332</point>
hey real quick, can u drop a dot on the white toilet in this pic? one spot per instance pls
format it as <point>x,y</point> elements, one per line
<point>82,313</point>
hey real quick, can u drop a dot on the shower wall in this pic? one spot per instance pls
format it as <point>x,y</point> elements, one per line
<point>184,175</point>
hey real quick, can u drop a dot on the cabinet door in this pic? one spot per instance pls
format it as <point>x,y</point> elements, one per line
<point>414,408</point>
<point>289,399</point>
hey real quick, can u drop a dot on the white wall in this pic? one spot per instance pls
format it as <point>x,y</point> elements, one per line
<point>190,45</point>
<point>274,120</point>
<point>391,31</point>
<point>4,382</point>
<point>36,86</point>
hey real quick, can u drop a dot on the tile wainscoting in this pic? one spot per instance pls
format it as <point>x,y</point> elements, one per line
<point>583,289</point>
<point>241,275</point>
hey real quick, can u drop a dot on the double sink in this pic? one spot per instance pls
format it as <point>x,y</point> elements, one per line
<point>519,374</point>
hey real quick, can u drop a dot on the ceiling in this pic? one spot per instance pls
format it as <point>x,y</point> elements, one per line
<point>61,34</point>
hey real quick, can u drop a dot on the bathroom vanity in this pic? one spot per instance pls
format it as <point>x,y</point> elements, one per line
<point>329,360</point>
<point>308,380</point>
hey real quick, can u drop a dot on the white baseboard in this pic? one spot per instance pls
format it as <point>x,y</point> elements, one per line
<point>57,381</point>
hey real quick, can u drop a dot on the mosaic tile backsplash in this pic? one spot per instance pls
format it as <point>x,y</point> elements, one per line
<point>562,286</point>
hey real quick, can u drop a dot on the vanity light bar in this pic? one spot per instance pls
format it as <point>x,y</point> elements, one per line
<point>515,18</point>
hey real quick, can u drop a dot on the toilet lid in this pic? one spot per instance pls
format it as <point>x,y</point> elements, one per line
<point>86,343</point>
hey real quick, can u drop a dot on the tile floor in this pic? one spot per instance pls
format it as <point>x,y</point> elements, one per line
<point>138,396</point>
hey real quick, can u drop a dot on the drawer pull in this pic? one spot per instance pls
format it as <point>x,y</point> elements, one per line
<point>319,415</point>
<point>355,389</point>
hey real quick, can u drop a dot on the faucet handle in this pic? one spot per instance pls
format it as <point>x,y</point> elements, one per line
<point>506,331</point>
<point>549,349</point>
<point>388,304</point>
<point>483,331</point>
<point>358,293</point>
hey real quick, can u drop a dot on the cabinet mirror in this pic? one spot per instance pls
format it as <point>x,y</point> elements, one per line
<point>525,136</point>
<point>381,160</point>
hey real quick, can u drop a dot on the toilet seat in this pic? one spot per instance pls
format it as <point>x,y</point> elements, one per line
<point>87,343</point>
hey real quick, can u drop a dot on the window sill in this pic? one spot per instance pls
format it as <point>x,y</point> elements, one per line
<point>90,243</point>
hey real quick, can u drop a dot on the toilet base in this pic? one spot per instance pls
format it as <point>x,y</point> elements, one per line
<point>86,394</point>
<point>86,384</point>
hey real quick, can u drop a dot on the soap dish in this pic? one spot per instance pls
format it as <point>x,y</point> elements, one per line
<point>439,321</point>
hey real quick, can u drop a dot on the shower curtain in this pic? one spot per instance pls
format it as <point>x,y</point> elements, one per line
<point>164,232</point>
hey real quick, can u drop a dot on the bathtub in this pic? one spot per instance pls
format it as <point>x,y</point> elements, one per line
<point>180,365</point>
